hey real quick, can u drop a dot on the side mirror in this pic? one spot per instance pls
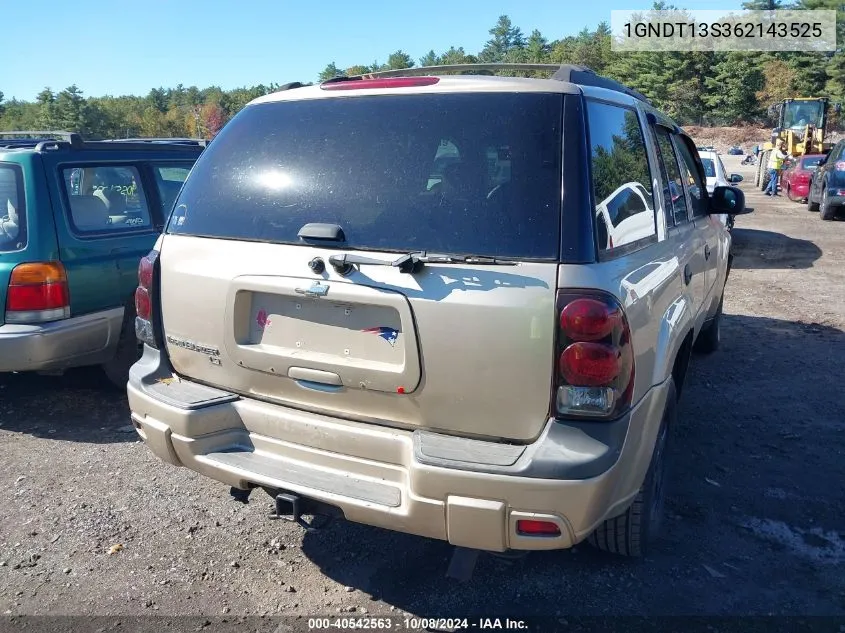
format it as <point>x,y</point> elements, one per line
<point>736,178</point>
<point>822,161</point>
<point>728,200</point>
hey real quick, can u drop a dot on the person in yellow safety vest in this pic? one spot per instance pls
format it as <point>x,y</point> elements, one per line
<point>775,165</point>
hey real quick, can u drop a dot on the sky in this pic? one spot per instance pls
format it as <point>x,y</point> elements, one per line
<point>117,47</point>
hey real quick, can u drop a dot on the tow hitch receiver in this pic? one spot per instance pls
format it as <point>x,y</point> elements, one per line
<point>291,507</point>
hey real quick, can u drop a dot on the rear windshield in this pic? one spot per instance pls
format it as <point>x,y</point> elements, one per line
<point>709,167</point>
<point>12,213</point>
<point>475,174</point>
<point>811,162</point>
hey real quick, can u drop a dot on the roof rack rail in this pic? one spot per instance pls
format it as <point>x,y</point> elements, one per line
<point>157,139</point>
<point>44,136</point>
<point>560,72</point>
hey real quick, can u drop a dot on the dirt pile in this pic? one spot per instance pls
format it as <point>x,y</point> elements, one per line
<point>722,138</point>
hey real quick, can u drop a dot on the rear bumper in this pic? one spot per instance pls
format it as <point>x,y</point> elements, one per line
<point>85,340</point>
<point>469,493</point>
<point>836,201</point>
<point>799,191</point>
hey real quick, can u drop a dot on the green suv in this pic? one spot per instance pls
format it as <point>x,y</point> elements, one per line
<point>75,218</point>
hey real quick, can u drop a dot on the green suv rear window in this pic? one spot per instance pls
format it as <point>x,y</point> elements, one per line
<point>475,174</point>
<point>12,212</point>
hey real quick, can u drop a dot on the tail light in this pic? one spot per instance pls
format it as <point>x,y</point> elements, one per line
<point>594,373</point>
<point>38,292</point>
<point>839,165</point>
<point>146,328</point>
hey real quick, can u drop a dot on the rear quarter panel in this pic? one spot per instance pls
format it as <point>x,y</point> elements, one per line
<point>648,284</point>
<point>836,179</point>
<point>41,233</point>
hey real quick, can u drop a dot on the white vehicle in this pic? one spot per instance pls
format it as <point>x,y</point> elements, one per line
<point>717,176</point>
<point>621,215</point>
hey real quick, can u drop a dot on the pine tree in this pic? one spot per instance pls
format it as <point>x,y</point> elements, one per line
<point>45,117</point>
<point>731,89</point>
<point>399,60</point>
<point>430,59</point>
<point>330,72</point>
<point>506,37</point>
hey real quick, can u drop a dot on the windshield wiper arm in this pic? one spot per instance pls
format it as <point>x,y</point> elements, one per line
<point>409,263</point>
<point>343,263</point>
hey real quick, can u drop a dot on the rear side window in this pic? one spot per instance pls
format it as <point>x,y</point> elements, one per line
<point>676,202</point>
<point>12,212</point>
<point>475,174</point>
<point>690,173</point>
<point>169,179</point>
<point>106,198</point>
<point>621,176</point>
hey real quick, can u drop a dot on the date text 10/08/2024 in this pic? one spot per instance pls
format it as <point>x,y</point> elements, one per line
<point>417,624</point>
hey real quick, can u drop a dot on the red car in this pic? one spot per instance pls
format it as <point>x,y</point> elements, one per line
<point>795,180</point>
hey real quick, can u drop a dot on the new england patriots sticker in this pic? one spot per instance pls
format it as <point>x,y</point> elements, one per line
<point>387,333</point>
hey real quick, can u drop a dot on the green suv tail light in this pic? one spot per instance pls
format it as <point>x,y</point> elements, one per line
<point>38,292</point>
<point>594,372</point>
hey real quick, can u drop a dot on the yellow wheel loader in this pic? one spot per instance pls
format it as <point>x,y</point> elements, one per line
<point>802,123</point>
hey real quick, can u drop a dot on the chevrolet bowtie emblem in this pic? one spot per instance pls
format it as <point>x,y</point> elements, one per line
<point>316,290</point>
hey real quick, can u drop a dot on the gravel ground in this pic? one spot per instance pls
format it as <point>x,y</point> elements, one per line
<point>92,523</point>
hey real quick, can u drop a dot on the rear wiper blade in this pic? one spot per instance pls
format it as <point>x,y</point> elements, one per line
<point>440,258</point>
<point>413,262</point>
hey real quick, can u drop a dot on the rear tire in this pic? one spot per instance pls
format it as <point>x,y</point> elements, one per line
<point>128,351</point>
<point>826,212</point>
<point>709,338</point>
<point>764,172</point>
<point>757,175</point>
<point>634,532</point>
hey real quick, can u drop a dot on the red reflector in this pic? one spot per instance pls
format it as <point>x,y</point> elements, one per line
<point>37,297</point>
<point>588,320</point>
<point>143,305</point>
<point>145,273</point>
<point>537,528</point>
<point>589,364</point>
<point>371,84</point>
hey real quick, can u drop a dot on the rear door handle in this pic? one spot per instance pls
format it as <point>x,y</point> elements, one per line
<point>707,251</point>
<point>319,376</point>
<point>687,274</point>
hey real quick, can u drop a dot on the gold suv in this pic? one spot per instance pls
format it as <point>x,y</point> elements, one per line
<point>458,306</point>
